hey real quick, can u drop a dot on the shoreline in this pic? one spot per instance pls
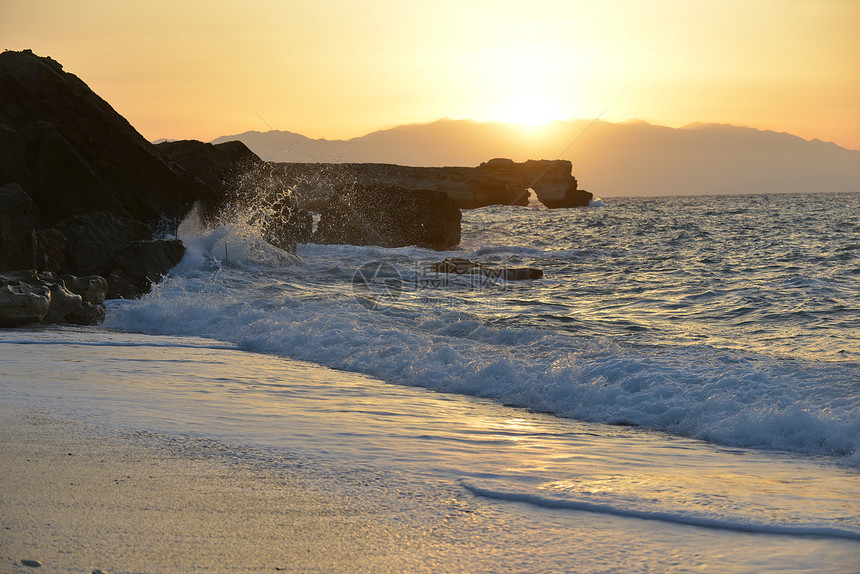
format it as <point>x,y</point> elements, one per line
<point>188,458</point>
<point>81,498</point>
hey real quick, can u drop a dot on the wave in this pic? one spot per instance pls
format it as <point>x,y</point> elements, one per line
<point>677,517</point>
<point>720,396</point>
<point>148,344</point>
<point>265,300</point>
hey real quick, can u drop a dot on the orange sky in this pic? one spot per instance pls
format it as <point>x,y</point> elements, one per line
<point>338,69</point>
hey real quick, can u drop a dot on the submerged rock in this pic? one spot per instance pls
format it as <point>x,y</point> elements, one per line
<point>462,266</point>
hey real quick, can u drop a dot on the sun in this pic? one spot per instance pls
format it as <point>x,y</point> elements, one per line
<point>528,109</point>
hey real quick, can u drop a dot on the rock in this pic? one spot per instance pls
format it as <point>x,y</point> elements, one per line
<point>496,182</point>
<point>285,225</point>
<point>53,244</point>
<point>31,563</point>
<point>73,154</point>
<point>29,297</point>
<point>19,247</point>
<point>88,314</point>
<point>93,239</point>
<point>215,165</point>
<point>253,193</point>
<point>259,198</point>
<point>93,290</point>
<point>22,304</point>
<point>390,216</point>
<point>461,266</point>
<point>145,262</point>
<point>121,286</point>
<point>63,301</point>
<point>552,181</point>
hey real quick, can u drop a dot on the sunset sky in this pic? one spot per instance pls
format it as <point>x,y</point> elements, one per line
<point>339,69</point>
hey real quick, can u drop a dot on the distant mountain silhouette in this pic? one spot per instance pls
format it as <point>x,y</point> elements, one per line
<point>629,158</point>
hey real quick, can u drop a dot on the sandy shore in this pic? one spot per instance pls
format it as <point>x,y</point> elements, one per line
<point>78,498</point>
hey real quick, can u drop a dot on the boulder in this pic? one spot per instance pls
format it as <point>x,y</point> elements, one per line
<point>53,244</point>
<point>93,239</point>
<point>93,290</point>
<point>21,303</point>
<point>142,263</point>
<point>73,154</point>
<point>29,297</point>
<point>462,266</point>
<point>63,301</point>
<point>390,216</point>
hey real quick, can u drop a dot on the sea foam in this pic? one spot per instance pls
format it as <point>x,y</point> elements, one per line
<point>727,397</point>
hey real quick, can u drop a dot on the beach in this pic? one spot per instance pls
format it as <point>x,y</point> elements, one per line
<point>77,498</point>
<point>178,473</point>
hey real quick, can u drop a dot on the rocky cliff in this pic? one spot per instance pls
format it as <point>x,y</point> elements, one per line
<point>74,154</point>
<point>496,182</point>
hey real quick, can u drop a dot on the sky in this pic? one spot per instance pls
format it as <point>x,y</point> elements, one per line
<point>190,69</point>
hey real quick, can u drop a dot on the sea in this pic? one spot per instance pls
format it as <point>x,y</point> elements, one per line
<point>679,392</point>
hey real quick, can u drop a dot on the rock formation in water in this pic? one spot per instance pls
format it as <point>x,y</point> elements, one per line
<point>215,165</point>
<point>77,187</point>
<point>250,188</point>
<point>390,216</point>
<point>496,182</point>
<point>462,266</point>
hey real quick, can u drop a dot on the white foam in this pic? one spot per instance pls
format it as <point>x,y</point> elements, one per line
<point>268,301</point>
<point>693,391</point>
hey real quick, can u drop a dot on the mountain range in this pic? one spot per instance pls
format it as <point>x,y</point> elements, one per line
<point>632,158</point>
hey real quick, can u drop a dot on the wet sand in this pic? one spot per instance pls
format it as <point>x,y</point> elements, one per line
<point>77,498</point>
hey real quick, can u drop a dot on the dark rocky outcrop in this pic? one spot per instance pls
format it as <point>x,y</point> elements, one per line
<point>552,181</point>
<point>119,249</point>
<point>140,263</point>
<point>390,216</point>
<point>218,166</point>
<point>462,266</point>
<point>93,239</point>
<point>73,154</point>
<point>19,245</point>
<point>496,182</point>
<point>251,189</point>
<point>28,297</point>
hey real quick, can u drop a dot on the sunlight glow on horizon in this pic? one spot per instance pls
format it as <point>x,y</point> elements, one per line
<point>336,69</point>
